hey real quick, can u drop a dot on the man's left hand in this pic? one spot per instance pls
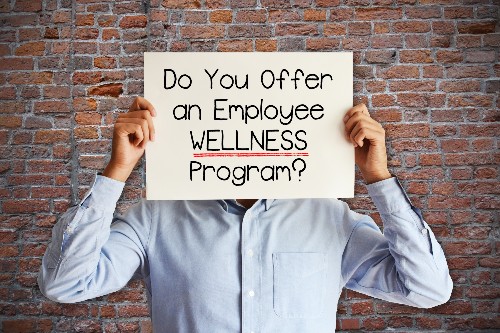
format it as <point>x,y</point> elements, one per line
<point>368,138</point>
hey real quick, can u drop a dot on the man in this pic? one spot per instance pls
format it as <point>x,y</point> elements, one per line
<point>245,265</point>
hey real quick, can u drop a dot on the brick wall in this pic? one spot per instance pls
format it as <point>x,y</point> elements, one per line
<point>427,69</point>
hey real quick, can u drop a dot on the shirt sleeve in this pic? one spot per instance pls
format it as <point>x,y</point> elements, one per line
<point>405,264</point>
<point>94,252</point>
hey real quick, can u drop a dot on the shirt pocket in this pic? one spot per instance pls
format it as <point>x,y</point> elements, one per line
<point>299,281</point>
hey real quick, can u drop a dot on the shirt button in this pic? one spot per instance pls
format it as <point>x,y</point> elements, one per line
<point>424,231</point>
<point>250,252</point>
<point>251,293</point>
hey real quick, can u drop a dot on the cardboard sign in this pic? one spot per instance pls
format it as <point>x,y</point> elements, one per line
<point>249,125</point>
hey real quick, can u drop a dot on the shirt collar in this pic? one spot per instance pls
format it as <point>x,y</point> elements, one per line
<point>225,203</point>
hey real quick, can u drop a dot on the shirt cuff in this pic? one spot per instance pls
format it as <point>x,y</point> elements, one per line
<point>103,194</point>
<point>389,196</point>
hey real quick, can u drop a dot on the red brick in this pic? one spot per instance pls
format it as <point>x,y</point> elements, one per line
<point>415,56</point>
<point>341,14</point>
<point>322,43</point>
<point>460,72</point>
<point>25,206</point>
<point>476,27</point>
<point>52,136</point>
<point>412,85</point>
<point>84,19</point>
<point>30,78</point>
<point>458,12</point>
<point>333,29</point>
<point>235,45</point>
<point>374,324</point>
<point>16,63</point>
<point>362,308</point>
<point>423,12</point>
<point>86,33</point>
<point>349,324</point>
<point>483,292</point>
<point>202,31</point>
<point>19,325</point>
<point>470,100</point>
<point>105,62</point>
<point>399,72</point>
<point>28,6</point>
<point>110,89</point>
<point>31,49</point>
<point>251,16</point>
<point>265,45</point>
<point>378,13</point>
<point>300,29</point>
<point>327,3</point>
<point>314,15</point>
<point>411,27</point>
<point>453,308</point>
<point>360,28</point>
<point>182,4</point>
<point>133,311</point>
<point>221,16</point>
<point>10,121</point>
<point>51,106</point>
<point>135,21</point>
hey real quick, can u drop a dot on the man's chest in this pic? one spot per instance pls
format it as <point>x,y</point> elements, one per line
<point>264,267</point>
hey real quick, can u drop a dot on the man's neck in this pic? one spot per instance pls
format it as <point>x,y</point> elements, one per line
<point>247,203</point>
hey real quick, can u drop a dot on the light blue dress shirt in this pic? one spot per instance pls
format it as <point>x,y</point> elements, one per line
<point>214,266</point>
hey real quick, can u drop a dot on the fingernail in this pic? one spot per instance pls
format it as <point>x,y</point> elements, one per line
<point>154,112</point>
<point>153,137</point>
<point>345,118</point>
<point>355,145</point>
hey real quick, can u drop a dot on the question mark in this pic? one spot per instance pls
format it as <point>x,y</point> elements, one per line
<point>303,166</point>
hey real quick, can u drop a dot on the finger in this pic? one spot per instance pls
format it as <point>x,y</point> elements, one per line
<point>353,120</point>
<point>140,103</point>
<point>125,129</point>
<point>143,114</point>
<point>141,122</point>
<point>358,117</point>
<point>365,130</point>
<point>358,108</point>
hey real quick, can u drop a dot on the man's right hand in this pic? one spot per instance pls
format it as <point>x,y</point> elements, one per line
<point>131,133</point>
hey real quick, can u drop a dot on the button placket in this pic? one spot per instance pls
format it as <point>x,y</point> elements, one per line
<point>250,271</point>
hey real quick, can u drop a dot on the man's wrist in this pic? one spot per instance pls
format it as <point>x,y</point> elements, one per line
<point>371,178</point>
<point>117,173</point>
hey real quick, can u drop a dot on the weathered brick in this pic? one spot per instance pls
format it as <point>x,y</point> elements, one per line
<point>265,45</point>
<point>322,43</point>
<point>181,4</point>
<point>378,13</point>
<point>300,29</point>
<point>221,16</point>
<point>110,89</point>
<point>201,31</point>
<point>31,49</point>
<point>476,27</point>
<point>245,45</point>
<point>51,106</point>
<point>51,136</point>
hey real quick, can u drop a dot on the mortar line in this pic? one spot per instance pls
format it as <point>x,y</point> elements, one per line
<point>74,153</point>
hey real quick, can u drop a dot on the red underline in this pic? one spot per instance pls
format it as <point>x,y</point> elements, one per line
<point>250,154</point>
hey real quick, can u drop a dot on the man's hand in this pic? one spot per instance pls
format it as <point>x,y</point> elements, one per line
<point>368,138</point>
<point>131,133</point>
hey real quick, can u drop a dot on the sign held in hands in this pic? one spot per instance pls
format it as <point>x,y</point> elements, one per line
<point>249,125</point>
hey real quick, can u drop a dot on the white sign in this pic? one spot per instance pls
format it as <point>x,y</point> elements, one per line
<point>249,125</point>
